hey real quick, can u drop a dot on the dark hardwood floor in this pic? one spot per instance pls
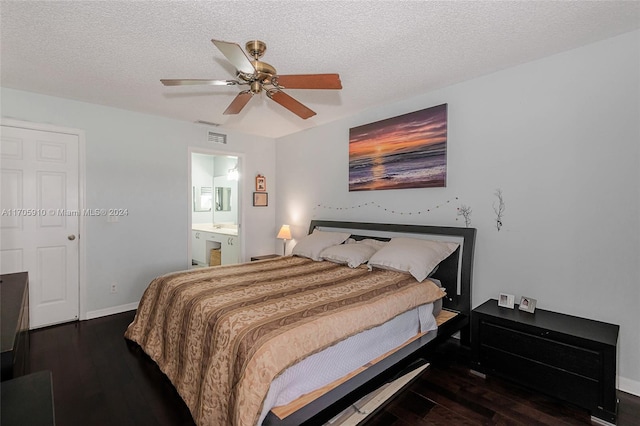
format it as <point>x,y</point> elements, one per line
<point>101,379</point>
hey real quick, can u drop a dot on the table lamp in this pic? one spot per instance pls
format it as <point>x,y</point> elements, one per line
<point>285,234</point>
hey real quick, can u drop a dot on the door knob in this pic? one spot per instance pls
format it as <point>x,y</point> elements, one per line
<point>71,237</point>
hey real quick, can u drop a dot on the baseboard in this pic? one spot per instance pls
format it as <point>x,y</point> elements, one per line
<point>629,386</point>
<point>112,310</point>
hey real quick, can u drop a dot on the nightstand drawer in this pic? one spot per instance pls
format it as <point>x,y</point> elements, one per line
<point>565,385</point>
<point>574,359</point>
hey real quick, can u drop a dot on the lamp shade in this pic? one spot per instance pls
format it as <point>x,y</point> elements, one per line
<point>284,233</point>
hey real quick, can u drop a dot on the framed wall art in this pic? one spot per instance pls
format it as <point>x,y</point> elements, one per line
<point>407,151</point>
<point>260,199</point>
<point>261,183</point>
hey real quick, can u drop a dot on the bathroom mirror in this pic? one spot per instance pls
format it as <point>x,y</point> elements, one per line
<point>223,199</point>
<point>202,198</point>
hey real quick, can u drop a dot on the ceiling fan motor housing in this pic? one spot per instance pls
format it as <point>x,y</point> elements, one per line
<point>264,71</point>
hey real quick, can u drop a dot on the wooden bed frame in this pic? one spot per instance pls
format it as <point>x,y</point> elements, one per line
<point>455,274</point>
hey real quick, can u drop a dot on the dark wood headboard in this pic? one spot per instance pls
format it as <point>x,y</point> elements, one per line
<point>455,272</point>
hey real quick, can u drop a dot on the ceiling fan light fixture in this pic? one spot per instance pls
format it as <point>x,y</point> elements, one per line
<point>256,87</point>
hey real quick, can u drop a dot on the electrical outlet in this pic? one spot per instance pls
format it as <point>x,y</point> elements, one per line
<point>114,288</point>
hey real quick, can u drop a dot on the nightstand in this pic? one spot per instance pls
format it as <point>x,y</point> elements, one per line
<point>265,256</point>
<point>571,358</point>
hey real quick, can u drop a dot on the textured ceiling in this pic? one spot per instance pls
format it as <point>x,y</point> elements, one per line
<point>115,52</point>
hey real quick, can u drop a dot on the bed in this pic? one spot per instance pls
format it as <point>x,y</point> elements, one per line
<point>270,317</point>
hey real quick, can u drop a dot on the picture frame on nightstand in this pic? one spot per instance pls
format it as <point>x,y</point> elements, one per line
<point>527,304</point>
<point>506,300</point>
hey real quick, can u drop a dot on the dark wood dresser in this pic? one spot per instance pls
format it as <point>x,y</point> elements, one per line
<point>14,323</point>
<point>28,400</point>
<point>571,358</point>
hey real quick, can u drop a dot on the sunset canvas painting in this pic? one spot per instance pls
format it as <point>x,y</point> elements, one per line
<point>408,151</point>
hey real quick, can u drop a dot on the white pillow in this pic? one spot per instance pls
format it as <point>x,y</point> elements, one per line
<point>311,245</point>
<point>377,244</point>
<point>353,255</point>
<point>416,256</point>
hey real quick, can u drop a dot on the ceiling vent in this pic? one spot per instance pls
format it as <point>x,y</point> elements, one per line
<point>207,123</point>
<point>216,137</point>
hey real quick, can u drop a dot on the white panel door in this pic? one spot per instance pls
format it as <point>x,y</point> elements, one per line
<point>40,219</point>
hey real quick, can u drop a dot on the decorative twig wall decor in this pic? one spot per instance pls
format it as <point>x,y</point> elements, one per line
<point>388,210</point>
<point>465,212</point>
<point>500,209</point>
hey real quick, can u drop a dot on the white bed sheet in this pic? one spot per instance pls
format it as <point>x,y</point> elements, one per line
<point>344,357</point>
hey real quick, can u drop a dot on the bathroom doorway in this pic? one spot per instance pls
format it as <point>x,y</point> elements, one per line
<point>215,208</point>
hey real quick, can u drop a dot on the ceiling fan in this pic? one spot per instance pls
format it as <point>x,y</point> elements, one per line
<point>260,76</point>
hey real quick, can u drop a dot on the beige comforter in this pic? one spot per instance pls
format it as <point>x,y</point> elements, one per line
<point>222,334</point>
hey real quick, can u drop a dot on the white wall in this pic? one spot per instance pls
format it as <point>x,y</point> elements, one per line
<point>560,137</point>
<point>140,162</point>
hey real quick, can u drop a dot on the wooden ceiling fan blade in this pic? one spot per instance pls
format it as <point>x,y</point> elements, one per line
<point>193,81</point>
<point>234,54</point>
<point>309,81</point>
<point>291,104</point>
<point>238,103</point>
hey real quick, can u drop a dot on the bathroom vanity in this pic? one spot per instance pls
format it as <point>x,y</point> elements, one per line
<point>208,237</point>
